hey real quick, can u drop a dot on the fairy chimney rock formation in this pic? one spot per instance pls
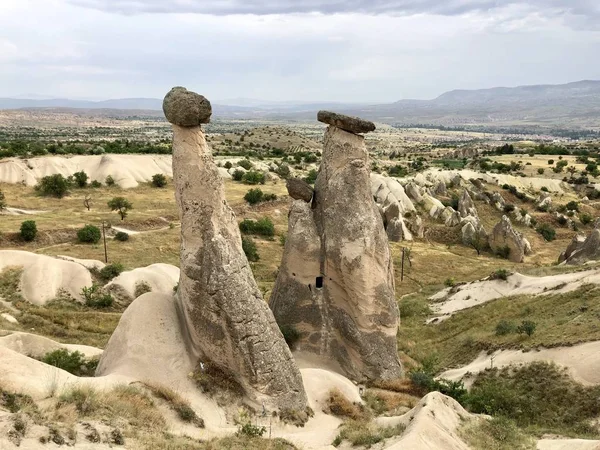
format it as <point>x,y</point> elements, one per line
<point>223,313</point>
<point>335,286</point>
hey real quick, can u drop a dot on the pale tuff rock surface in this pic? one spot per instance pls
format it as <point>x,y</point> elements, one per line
<point>544,201</point>
<point>466,207</point>
<point>393,203</point>
<point>154,278</point>
<point>579,252</point>
<point>228,322</point>
<point>503,235</point>
<point>299,189</point>
<point>186,108</point>
<point>473,232</point>
<point>335,285</point>
<point>44,277</point>
<point>347,123</point>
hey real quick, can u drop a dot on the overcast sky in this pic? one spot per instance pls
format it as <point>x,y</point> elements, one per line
<point>334,50</point>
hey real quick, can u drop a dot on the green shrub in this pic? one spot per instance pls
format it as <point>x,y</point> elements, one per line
<point>260,227</point>
<point>544,189</point>
<point>159,180</point>
<point>96,184</point>
<point>2,201</point>
<point>72,362</point>
<point>541,170</point>
<point>249,247</point>
<point>53,186</point>
<point>290,334</point>
<point>450,282</point>
<point>121,205</point>
<point>547,231</point>
<point>500,274</point>
<point>89,234</point>
<point>246,164</point>
<point>283,170</point>
<point>228,165</point>
<point>122,236</point>
<point>254,196</point>
<point>28,230</point>
<point>311,177</point>
<point>251,430</point>
<point>238,175</point>
<point>505,327</point>
<point>550,162</point>
<point>109,181</point>
<point>572,206</point>
<point>508,208</point>
<point>503,252</point>
<point>254,177</point>
<point>81,179</point>
<point>96,298</point>
<point>111,271</point>
<point>562,220</point>
<point>527,327</point>
<point>586,218</point>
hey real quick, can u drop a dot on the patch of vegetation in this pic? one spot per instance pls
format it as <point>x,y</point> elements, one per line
<point>215,382</point>
<point>547,231</point>
<point>159,180</point>
<point>111,271</point>
<point>256,195</point>
<point>250,430</point>
<point>81,179</point>
<point>237,175</point>
<point>96,298</point>
<point>365,434</point>
<point>503,252</point>
<point>260,227</point>
<point>311,177</point>
<point>250,249</point>
<point>585,218</point>
<point>338,405</point>
<point>246,164</point>
<point>539,395</point>
<point>110,181</point>
<point>28,230</point>
<point>290,334</point>
<point>10,279</point>
<point>121,236</point>
<point>89,234</point>
<point>2,201</point>
<point>177,403</point>
<point>499,433</point>
<point>141,288</point>
<point>254,177</point>
<point>505,327</point>
<point>53,186</point>
<point>500,274</point>
<point>72,362</point>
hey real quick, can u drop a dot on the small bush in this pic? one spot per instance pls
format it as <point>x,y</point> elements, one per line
<point>72,362</point>
<point>159,180</point>
<point>562,220</point>
<point>283,170</point>
<point>254,177</point>
<point>111,271</point>
<point>260,227</point>
<point>109,181</point>
<point>338,405</point>
<point>81,179</point>
<point>95,184</point>
<point>246,164</point>
<point>527,327</point>
<point>544,189</point>
<point>122,236</point>
<point>505,327</point>
<point>503,252</point>
<point>228,165</point>
<point>572,206</point>
<point>541,171</point>
<point>121,205</point>
<point>53,186</point>
<point>500,274</point>
<point>550,162</point>
<point>450,282</point>
<point>585,218</point>
<point>254,196</point>
<point>508,208</point>
<point>290,334</point>
<point>237,175</point>
<point>547,231</point>
<point>251,430</point>
<point>89,234</point>
<point>311,177</point>
<point>28,230</point>
<point>95,298</point>
<point>249,247</point>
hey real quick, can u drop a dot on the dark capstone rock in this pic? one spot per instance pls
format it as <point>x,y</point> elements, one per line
<point>346,123</point>
<point>186,108</point>
<point>299,189</point>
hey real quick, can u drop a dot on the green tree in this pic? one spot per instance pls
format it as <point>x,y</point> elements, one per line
<point>159,180</point>
<point>28,230</point>
<point>89,234</point>
<point>121,205</point>
<point>53,185</point>
<point>81,178</point>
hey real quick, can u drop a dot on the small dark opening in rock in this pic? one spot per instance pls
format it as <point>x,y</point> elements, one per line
<point>319,283</point>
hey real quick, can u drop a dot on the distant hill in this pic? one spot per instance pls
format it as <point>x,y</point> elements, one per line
<point>572,104</point>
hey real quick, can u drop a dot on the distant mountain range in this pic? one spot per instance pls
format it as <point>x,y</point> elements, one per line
<point>575,104</point>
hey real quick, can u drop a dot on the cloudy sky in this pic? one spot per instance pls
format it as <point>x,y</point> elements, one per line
<point>334,50</point>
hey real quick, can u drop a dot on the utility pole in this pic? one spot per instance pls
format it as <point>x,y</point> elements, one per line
<point>104,237</point>
<point>402,270</point>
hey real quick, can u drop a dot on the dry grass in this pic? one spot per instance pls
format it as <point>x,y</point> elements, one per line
<point>170,442</point>
<point>495,434</point>
<point>365,434</point>
<point>339,405</point>
<point>389,403</point>
<point>176,402</point>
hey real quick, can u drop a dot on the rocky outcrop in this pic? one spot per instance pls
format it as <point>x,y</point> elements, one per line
<point>413,191</point>
<point>504,237</point>
<point>473,233</point>
<point>450,217</point>
<point>223,318</point>
<point>186,108</point>
<point>543,202</point>
<point>394,204</point>
<point>440,189</point>
<point>497,201</point>
<point>466,207</point>
<point>582,250</point>
<point>347,123</point>
<point>335,285</point>
<point>299,189</point>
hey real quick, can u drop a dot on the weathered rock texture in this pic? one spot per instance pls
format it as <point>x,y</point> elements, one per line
<point>466,207</point>
<point>336,284</point>
<point>228,322</point>
<point>505,236</point>
<point>186,108</point>
<point>299,189</point>
<point>346,123</point>
<point>581,250</point>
